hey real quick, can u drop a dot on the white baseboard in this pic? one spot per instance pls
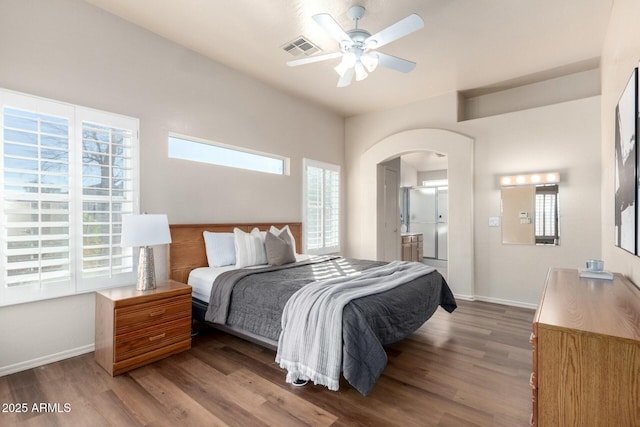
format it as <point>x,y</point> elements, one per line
<point>44,360</point>
<point>496,301</point>
<point>465,297</point>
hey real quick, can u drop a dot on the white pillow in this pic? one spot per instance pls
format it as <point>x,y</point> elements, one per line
<point>249,248</point>
<point>220,248</point>
<point>277,232</point>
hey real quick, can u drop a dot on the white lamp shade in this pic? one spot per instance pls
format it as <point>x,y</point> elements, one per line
<point>361,73</point>
<point>370,61</point>
<point>145,230</point>
<point>348,61</point>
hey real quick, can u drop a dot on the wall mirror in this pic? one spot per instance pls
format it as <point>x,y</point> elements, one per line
<point>530,215</point>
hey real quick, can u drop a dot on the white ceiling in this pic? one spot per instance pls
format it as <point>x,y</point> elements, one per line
<point>465,44</point>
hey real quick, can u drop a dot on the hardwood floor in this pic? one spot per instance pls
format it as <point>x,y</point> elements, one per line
<point>469,368</point>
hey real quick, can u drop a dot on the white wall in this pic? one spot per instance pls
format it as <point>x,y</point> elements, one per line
<point>564,137</point>
<point>432,175</point>
<point>620,56</point>
<point>408,175</point>
<point>70,51</point>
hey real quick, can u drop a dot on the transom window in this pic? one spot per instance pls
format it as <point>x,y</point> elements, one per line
<point>198,150</point>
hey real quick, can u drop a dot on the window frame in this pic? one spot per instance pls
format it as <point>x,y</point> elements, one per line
<point>75,115</point>
<point>324,248</point>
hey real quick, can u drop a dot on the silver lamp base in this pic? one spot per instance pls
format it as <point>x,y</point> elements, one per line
<point>146,270</point>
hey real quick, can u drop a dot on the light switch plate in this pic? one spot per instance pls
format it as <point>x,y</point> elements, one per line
<point>494,221</point>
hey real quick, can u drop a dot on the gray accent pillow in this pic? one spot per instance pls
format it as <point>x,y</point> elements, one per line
<point>279,248</point>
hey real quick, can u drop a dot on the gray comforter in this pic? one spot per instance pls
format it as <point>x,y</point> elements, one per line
<point>252,300</point>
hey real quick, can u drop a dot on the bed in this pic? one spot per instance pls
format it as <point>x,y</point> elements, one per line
<point>249,302</point>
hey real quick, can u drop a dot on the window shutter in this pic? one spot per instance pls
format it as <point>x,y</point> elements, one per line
<point>107,194</point>
<point>322,207</point>
<point>546,219</point>
<point>36,199</point>
<point>314,208</point>
<point>331,209</point>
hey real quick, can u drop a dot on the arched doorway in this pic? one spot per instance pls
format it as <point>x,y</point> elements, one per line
<point>363,226</point>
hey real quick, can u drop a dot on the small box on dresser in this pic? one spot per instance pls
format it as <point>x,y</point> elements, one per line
<point>135,328</point>
<point>586,352</point>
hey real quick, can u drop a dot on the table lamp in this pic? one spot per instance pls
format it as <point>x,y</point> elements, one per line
<point>144,231</point>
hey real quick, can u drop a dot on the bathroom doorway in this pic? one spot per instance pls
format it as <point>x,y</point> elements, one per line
<point>424,204</point>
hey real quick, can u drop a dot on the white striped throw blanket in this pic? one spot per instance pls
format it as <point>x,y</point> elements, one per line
<point>310,344</point>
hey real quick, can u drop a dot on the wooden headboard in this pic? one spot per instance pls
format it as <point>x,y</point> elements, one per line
<point>187,250</point>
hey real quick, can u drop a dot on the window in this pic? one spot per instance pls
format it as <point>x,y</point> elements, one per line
<point>321,207</point>
<point>189,148</point>
<point>546,214</point>
<point>67,176</point>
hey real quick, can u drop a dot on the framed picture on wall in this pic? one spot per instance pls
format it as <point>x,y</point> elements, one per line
<point>626,188</point>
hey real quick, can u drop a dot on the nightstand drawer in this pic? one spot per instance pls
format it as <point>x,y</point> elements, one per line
<point>151,313</point>
<point>144,340</point>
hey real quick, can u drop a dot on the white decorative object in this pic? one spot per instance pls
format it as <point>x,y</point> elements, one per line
<point>603,275</point>
<point>595,265</point>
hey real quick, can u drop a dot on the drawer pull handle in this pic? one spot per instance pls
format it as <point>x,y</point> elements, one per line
<point>157,312</point>
<point>532,381</point>
<point>157,337</point>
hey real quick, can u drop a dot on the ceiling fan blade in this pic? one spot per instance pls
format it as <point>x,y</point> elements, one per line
<point>330,25</point>
<point>312,59</point>
<point>395,63</point>
<point>392,33</point>
<point>345,80</point>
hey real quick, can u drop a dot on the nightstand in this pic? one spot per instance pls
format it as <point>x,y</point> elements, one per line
<point>135,328</point>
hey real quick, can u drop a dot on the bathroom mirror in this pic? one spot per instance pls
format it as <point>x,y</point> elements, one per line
<point>530,215</point>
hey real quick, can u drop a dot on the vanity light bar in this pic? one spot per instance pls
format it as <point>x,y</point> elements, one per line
<point>529,179</point>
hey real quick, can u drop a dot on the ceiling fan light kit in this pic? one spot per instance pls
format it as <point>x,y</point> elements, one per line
<point>356,45</point>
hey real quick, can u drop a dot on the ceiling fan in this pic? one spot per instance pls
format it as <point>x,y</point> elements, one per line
<point>357,45</point>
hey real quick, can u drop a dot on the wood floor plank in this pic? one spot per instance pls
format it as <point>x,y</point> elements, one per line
<point>213,393</point>
<point>301,409</point>
<point>142,406</point>
<point>181,407</point>
<point>468,368</point>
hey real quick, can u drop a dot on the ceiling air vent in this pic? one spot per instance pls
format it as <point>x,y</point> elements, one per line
<point>301,46</point>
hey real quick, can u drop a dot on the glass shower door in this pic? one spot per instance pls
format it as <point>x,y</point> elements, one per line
<point>442,223</point>
<point>422,214</point>
<point>428,210</point>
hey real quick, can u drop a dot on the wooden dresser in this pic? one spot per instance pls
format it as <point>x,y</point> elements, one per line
<point>412,249</point>
<point>586,352</point>
<point>134,328</point>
